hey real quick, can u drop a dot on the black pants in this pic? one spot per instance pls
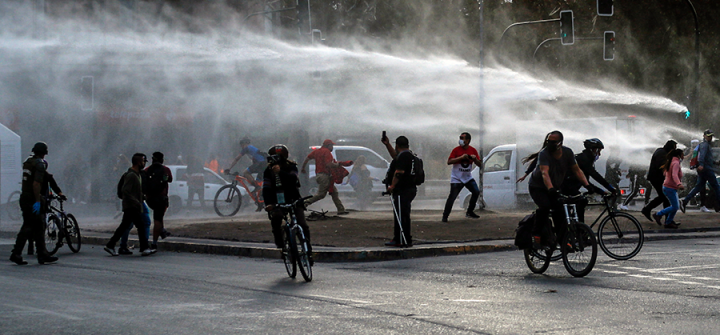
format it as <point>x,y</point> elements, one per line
<point>455,189</point>
<point>541,197</point>
<point>402,201</point>
<point>660,198</point>
<point>130,218</point>
<point>33,228</point>
<point>276,219</point>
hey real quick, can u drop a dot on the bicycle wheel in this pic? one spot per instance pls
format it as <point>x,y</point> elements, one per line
<point>303,256</point>
<point>621,236</point>
<point>227,201</point>
<point>537,260</point>
<point>72,233</point>
<point>579,250</point>
<point>287,254</point>
<point>13,206</point>
<point>53,240</point>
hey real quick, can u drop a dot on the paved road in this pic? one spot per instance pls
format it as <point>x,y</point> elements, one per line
<point>671,287</point>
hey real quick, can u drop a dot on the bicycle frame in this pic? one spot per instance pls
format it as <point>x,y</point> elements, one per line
<point>608,209</point>
<point>242,181</point>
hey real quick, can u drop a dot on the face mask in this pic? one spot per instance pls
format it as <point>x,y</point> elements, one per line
<point>552,146</point>
<point>597,157</point>
<point>461,142</point>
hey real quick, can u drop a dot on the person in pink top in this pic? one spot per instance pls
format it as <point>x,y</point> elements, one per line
<point>462,159</point>
<point>673,183</point>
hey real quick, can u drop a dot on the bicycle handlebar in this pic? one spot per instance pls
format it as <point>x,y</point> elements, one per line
<point>294,203</point>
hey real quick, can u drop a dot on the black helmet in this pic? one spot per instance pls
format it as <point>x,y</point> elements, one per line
<point>593,143</point>
<point>40,148</point>
<point>279,149</point>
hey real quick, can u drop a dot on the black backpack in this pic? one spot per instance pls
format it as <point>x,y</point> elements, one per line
<point>417,171</point>
<point>156,180</point>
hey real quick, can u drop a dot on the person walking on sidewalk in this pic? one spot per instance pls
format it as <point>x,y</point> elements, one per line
<point>705,171</point>
<point>324,163</point>
<point>462,159</point>
<point>402,189</point>
<point>132,203</point>
<point>156,191</point>
<point>671,185</point>
<point>33,206</point>
<point>656,178</point>
<point>281,185</point>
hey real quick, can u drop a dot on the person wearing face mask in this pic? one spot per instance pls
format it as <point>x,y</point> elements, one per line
<point>462,159</point>
<point>554,163</point>
<point>586,161</point>
<point>656,178</point>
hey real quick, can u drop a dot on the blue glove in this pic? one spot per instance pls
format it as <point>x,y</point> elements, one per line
<point>36,208</point>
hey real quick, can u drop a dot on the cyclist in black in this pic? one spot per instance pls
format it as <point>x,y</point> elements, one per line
<point>586,161</point>
<point>33,206</point>
<point>284,190</point>
<point>554,162</point>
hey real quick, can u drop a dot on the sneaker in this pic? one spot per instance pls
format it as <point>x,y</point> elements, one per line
<point>537,242</point>
<point>47,259</point>
<point>646,213</point>
<point>671,225</point>
<point>392,243</point>
<point>111,251</point>
<point>343,213</point>
<point>124,251</point>
<point>623,207</point>
<point>704,209</point>
<point>471,215</point>
<point>658,219</point>
<point>683,203</point>
<point>444,219</point>
<point>17,259</point>
<point>164,234</point>
<point>146,252</point>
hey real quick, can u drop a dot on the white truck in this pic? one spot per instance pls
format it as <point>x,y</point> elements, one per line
<point>503,164</point>
<point>11,161</point>
<point>376,164</point>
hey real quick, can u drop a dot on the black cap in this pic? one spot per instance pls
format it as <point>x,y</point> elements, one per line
<point>158,156</point>
<point>708,132</point>
<point>40,148</point>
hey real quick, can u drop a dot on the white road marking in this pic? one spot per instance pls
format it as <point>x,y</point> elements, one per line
<point>44,311</point>
<point>468,300</point>
<point>341,299</point>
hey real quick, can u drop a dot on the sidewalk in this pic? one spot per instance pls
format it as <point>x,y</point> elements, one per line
<point>360,236</point>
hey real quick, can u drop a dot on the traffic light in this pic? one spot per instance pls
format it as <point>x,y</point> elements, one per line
<point>609,46</point>
<point>605,7</point>
<point>567,29</point>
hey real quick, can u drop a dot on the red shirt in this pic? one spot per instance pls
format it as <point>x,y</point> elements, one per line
<point>322,157</point>
<point>461,172</point>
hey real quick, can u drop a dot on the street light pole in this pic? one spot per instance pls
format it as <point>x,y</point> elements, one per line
<point>481,100</point>
<point>694,102</point>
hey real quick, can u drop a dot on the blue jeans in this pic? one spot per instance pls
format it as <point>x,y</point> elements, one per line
<point>705,176</point>
<point>145,219</point>
<point>455,189</point>
<point>672,195</point>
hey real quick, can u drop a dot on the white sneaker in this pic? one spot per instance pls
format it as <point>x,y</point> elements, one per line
<point>147,252</point>
<point>704,209</point>
<point>623,207</point>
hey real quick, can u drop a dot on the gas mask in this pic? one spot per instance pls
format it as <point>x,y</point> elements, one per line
<point>552,146</point>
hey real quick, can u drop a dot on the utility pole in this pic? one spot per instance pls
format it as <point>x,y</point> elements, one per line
<point>481,100</point>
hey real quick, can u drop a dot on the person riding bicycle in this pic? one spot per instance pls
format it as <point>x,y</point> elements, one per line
<point>281,185</point>
<point>259,162</point>
<point>586,161</point>
<point>554,162</point>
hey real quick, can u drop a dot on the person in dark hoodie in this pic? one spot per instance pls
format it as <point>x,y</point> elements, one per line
<point>656,178</point>
<point>586,161</point>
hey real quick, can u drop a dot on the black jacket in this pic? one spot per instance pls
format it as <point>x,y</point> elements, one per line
<point>655,174</point>
<point>289,180</point>
<point>586,162</point>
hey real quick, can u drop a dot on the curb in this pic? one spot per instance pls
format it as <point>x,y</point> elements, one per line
<point>368,254</point>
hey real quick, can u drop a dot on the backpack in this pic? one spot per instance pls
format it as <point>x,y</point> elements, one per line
<point>120,186</point>
<point>694,160</point>
<point>417,171</point>
<point>523,233</point>
<point>156,180</point>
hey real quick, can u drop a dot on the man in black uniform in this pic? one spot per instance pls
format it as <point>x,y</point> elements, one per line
<point>656,177</point>
<point>282,186</point>
<point>402,189</point>
<point>33,207</point>
<point>586,161</point>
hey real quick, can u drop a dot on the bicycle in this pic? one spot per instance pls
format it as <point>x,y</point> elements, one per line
<point>620,235</point>
<point>61,226</point>
<point>228,198</point>
<point>579,240</point>
<point>295,247</point>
